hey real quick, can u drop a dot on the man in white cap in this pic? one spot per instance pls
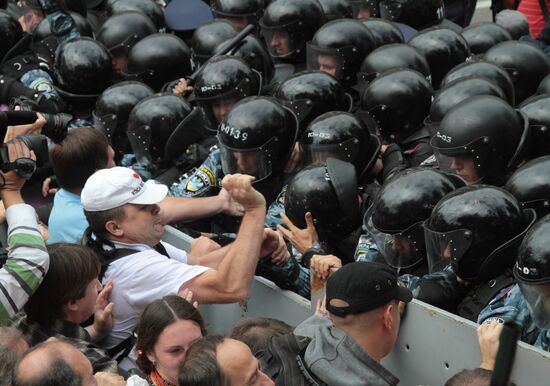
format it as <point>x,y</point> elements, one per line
<point>123,214</point>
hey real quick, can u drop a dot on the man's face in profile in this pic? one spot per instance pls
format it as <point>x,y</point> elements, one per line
<point>328,63</point>
<point>280,43</point>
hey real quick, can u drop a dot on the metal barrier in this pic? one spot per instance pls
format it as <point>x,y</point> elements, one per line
<point>432,346</point>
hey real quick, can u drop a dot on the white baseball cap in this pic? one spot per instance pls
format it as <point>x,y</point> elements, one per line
<point>110,188</point>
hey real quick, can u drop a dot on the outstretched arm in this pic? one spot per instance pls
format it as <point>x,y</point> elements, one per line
<point>233,278</point>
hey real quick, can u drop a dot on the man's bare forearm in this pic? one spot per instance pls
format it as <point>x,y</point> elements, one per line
<point>239,264</point>
<point>210,260</point>
<point>173,209</point>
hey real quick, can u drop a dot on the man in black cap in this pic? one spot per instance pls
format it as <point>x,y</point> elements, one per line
<point>363,303</point>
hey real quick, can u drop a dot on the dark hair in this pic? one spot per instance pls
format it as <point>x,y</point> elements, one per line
<point>200,366</point>
<point>58,373</point>
<point>256,332</point>
<point>155,318</point>
<point>72,268</point>
<point>97,221</point>
<point>475,377</point>
<point>9,353</point>
<point>78,156</point>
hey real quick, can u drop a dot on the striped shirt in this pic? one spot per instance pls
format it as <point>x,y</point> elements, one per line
<point>27,263</point>
<point>531,9</point>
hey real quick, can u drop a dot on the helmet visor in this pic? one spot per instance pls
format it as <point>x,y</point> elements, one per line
<point>329,60</point>
<point>403,249</point>
<point>282,41</point>
<point>255,162</point>
<point>390,10</point>
<point>537,297</point>
<point>363,9</point>
<point>107,124</point>
<point>215,108</point>
<point>347,150</point>
<point>140,140</point>
<point>445,249</point>
<point>466,161</point>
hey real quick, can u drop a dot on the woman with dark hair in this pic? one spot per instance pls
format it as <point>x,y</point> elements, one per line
<point>167,327</point>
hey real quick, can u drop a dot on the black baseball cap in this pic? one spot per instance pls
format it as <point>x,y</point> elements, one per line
<point>364,286</point>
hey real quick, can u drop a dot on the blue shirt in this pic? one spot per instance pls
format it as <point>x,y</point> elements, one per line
<point>67,222</point>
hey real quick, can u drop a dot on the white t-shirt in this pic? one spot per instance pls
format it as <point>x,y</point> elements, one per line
<point>139,279</point>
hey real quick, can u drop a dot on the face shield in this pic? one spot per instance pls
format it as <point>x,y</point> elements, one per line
<point>140,140</point>
<point>390,10</point>
<point>403,249</point>
<point>107,124</point>
<point>282,41</point>
<point>257,162</point>
<point>445,249</point>
<point>466,161</point>
<point>347,151</point>
<point>537,297</point>
<point>216,107</point>
<point>333,61</point>
<point>363,9</point>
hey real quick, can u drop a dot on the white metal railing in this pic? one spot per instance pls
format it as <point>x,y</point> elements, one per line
<point>432,346</point>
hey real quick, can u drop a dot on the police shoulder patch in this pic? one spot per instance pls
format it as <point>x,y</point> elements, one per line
<point>201,180</point>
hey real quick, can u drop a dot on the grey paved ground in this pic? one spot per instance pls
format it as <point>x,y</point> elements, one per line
<point>483,11</point>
